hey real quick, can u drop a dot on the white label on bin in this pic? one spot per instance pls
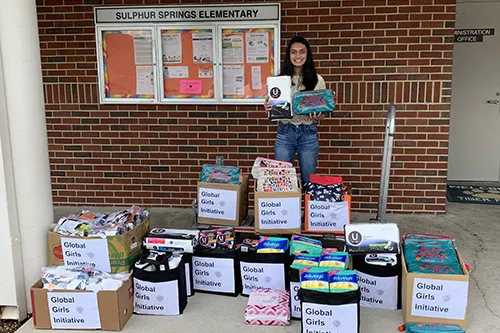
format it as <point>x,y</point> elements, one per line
<point>214,274</point>
<point>86,252</point>
<point>279,213</point>
<point>329,318</point>
<point>156,298</point>
<point>188,279</point>
<point>294,294</point>
<point>217,204</point>
<point>330,216</point>
<point>378,292</point>
<point>262,276</point>
<point>73,310</point>
<point>439,298</point>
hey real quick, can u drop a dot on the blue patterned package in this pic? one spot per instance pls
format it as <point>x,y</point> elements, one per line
<point>432,328</point>
<point>431,254</point>
<point>223,174</point>
<point>319,101</point>
<point>434,268</point>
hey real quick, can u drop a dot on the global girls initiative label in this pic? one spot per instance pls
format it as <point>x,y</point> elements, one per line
<point>214,274</point>
<point>218,204</point>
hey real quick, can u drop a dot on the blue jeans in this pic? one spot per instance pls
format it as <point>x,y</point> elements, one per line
<point>300,139</point>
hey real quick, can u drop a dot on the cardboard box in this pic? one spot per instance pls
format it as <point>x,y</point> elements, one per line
<point>435,298</point>
<point>278,212</point>
<point>223,204</point>
<point>122,251</point>
<point>108,310</point>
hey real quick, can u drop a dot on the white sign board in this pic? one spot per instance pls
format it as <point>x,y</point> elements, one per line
<point>214,274</point>
<point>324,215</point>
<point>187,13</point>
<point>262,276</point>
<point>217,204</point>
<point>73,310</point>
<point>295,300</point>
<point>86,252</point>
<point>439,298</point>
<point>329,318</point>
<point>378,292</point>
<point>160,298</point>
<point>279,213</point>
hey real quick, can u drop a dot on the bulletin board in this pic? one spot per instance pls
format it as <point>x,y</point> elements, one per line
<point>247,60</point>
<point>187,63</point>
<point>187,54</point>
<point>128,65</point>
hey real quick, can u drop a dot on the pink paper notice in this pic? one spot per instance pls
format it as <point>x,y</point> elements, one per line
<point>191,87</point>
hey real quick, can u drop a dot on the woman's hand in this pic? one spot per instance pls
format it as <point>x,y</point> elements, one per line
<point>268,105</point>
<point>317,117</point>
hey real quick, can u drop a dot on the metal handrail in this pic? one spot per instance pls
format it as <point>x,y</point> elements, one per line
<point>386,163</point>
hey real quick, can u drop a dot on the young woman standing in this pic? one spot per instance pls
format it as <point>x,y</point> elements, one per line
<point>299,134</point>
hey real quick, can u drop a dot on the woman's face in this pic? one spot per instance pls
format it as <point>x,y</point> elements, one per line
<point>298,54</point>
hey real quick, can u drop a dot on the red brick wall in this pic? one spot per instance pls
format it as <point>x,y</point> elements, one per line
<point>372,52</point>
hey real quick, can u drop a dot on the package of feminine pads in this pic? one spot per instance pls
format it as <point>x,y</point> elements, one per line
<point>279,93</point>
<point>268,307</point>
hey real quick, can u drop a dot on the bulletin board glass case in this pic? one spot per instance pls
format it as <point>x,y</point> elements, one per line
<point>127,65</point>
<point>223,56</point>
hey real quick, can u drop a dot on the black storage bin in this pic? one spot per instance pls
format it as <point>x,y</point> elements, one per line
<point>380,286</point>
<point>216,271</point>
<point>263,271</point>
<point>162,291</point>
<point>329,312</point>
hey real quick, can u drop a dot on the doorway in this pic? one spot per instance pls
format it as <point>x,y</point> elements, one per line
<point>474,148</point>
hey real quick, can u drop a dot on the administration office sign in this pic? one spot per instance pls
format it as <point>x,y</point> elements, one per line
<point>472,35</point>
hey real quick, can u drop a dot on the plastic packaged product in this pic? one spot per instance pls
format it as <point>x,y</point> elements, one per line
<point>434,268</point>
<point>262,162</point>
<point>431,254</point>
<point>315,278</point>
<point>225,238</point>
<point>268,307</point>
<point>325,180</point>
<point>317,101</point>
<point>342,281</point>
<point>223,174</point>
<point>306,260</point>
<point>208,239</point>
<point>300,244</point>
<point>333,259</point>
<point>432,328</point>
<point>60,277</point>
<point>328,193</point>
<point>277,184</point>
<point>272,245</point>
<point>248,245</point>
<point>277,172</point>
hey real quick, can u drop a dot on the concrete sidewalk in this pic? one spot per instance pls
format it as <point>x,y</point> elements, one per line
<point>476,229</point>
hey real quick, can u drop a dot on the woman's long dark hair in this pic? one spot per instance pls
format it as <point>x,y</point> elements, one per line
<point>309,76</point>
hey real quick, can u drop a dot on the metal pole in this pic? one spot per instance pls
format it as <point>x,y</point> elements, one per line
<point>386,163</point>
